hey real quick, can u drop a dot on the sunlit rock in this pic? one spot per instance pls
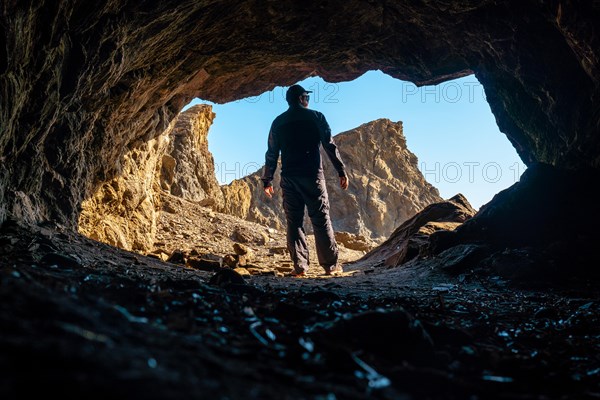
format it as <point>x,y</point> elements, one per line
<point>386,187</point>
<point>189,170</point>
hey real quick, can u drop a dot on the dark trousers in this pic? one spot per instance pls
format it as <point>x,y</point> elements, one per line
<point>310,193</point>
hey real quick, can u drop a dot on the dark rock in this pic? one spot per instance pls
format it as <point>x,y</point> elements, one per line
<point>60,260</point>
<point>177,257</point>
<point>395,335</point>
<point>182,284</point>
<point>547,205</point>
<point>545,312</point>
<point>292,312</point>
<point>204,264</point>
<point>225,277</point>
<point>459,258</point>
<point>411,239</point>
<point>519,264</point>
<point>318,296</point>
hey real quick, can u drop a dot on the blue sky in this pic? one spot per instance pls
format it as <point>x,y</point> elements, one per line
<point>449,127</point>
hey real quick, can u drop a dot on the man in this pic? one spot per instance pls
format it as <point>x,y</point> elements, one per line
<point>297,134</point>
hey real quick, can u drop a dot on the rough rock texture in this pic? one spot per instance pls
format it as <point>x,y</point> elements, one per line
<point>199,233</point>
<point>549,215</point>
<point>81,84</point>
<point>386,186</point>
<point>411,239</point>
<point>188,168</point>
<point>83,320</point>
<point>123,211</point>
<point>544,228</point>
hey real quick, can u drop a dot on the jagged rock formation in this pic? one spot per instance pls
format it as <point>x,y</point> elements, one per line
<point>188,168</point>
<point>82,84</point>
<point>386,186</point>
<point>535,228</point>
<point>123,212</point>
<point>411,239</point>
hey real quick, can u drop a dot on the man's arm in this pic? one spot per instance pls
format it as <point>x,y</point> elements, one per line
<point>271,159</point>
<point>332,151</point>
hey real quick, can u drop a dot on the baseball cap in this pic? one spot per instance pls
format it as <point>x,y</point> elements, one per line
<point>294,91</point>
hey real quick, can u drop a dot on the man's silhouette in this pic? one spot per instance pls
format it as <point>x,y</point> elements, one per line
<point>298,134</point>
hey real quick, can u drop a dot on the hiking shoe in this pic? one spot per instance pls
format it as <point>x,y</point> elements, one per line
<point>334,270</point>
<point>296,274</point>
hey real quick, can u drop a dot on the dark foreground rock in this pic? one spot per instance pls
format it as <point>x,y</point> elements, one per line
<point>541,230</point>
<point>80,319</point>
<point>411,239</point>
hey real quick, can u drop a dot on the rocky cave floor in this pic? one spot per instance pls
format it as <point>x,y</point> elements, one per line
<point>81,319</point>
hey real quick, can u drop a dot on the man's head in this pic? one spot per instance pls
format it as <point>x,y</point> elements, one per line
<point>296,94</point>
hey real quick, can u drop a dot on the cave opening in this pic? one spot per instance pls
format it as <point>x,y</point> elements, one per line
<point>448,126</point>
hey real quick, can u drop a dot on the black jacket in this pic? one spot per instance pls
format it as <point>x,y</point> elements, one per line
<point>297,134</point>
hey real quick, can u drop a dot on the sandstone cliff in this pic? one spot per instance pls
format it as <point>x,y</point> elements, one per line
<point>386,186</point>
<point>123,211</point>
<point>187,169</point>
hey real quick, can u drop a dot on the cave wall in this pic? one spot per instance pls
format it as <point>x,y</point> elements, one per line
<point>124,210</point>
<point>83,83</point>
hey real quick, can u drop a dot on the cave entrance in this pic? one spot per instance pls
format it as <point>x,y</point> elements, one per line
<point>449,127</point>
<point>380,124</point>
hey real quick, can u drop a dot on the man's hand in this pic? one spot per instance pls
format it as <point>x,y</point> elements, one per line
<point>269,191</point>
<point>344,182</point>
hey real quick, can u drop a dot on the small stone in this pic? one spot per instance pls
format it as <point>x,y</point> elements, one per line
<point>242,261</point>
<point>242,271</point>
<point>225,277</point>
<point>241,249</point>
<point>278,250</point>
<point>240,236</point>
<point>265,239</point>
<point>230,260</point>
<point>203,264</point>
<point>177,257</point>
<point>61,260</point>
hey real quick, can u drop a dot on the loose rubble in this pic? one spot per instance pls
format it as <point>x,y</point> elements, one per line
<point>79,318</point>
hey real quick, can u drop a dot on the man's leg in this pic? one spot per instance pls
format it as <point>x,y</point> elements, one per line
<point>317,204</point>
<point>293,204</point>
